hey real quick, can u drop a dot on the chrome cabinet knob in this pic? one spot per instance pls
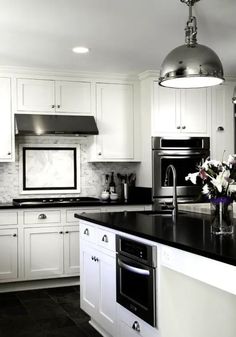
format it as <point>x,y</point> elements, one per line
<point>220,128</point>
<point>99,153</point>
<point>178,127</point>
<point>67,232</point>
<point>42,216</point>
<point>60,232</point>
<point>8,153</point>
<point>86,231</point>
<point>105,238</point>
<point>58,106</point>
<point>136,326</point>
<point>53,106</point>
<point>14,235</point>
<point>183,127</point>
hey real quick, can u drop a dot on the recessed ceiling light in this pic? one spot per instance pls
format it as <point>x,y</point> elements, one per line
<point>80,50</point>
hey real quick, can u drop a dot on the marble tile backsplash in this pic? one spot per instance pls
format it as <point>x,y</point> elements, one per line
<point>91,174</point>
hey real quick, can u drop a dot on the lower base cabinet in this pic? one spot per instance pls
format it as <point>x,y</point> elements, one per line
<point>97,287</point>
<point>51,252</point>
<point>8,254</point>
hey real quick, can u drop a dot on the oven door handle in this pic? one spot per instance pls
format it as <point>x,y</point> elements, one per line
<point>133,269</point>
<point>179,153</point>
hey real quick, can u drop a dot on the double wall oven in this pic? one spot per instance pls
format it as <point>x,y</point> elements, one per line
<point>185,154</point>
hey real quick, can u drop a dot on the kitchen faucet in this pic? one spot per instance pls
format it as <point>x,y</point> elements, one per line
<point>175,204</point>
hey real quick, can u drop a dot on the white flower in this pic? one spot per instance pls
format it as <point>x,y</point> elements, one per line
<point>205,189</point>
<point>192,177</point>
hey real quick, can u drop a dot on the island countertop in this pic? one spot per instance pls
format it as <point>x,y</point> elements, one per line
<point>191,232</point>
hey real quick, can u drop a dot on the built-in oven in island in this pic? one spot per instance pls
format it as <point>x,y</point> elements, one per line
<point>185,154</point>
<point>136,268</point>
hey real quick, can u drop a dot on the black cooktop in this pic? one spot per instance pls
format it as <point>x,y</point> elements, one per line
<point>54,201</point>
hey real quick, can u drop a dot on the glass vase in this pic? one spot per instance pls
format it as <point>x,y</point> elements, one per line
<point>222,216</point>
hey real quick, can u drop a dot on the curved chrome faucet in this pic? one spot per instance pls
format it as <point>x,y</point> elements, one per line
<point>173,170</point>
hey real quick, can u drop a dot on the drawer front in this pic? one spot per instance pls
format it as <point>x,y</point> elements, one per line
<point>106,239</point>
<point>87,232</point>
<point>70,213</point>
<point>8,218</point>
<point>42,217</point>
<point>132,321</point>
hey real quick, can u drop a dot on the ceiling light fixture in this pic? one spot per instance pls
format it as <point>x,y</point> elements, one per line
<point>191,65</point>
<point>80,50</point>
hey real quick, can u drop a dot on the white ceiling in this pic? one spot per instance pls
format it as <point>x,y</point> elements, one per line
<point>125,36</point>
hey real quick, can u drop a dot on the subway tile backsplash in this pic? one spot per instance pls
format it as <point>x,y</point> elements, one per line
<point>91,174</point>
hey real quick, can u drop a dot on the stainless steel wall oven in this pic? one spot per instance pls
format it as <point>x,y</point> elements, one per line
<point>136,278</point>
<point>185,154</point>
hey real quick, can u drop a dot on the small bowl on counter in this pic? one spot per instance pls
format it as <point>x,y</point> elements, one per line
<point>113,196</point>
<point>105,195</point>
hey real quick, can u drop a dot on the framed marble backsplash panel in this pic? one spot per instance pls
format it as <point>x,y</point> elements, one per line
<point>49,169</point>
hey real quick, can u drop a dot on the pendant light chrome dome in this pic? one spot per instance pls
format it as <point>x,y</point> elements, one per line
<point>191,65</point>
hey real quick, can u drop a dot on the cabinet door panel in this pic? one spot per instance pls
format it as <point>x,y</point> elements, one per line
<point>165,112</point>
<point>89,283</point>
<point>222,140</point>
<point>8,254</point>
<point>35,95</point>
<point>194,111</point>
<point>43,252</point>
<point>115,117</point>
<point>71,250</point>
<point>107,293</point>
<point>73,97</point>
<point>5,120</point>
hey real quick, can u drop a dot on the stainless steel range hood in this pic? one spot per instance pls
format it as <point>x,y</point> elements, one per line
<point>28,124</point>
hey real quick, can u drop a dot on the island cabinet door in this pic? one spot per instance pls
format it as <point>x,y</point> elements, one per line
<point>43,252</point>
<point>8,254</point>
<point>107,293</point>
<point>71,250</point>
<point>89,283</point>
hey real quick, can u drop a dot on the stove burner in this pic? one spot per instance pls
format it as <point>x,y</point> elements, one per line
<point>53,201</point>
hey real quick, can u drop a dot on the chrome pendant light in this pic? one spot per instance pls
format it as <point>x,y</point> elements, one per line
<point>191,65</point>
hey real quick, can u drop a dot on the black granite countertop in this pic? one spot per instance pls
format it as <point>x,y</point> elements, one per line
<point>97,203</point>
<point>191,233</point>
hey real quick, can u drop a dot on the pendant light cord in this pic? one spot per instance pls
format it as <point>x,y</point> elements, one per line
<point>191,26</point>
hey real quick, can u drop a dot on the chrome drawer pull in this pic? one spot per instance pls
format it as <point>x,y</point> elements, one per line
<point>105,238</point>
<point>42,216</point>
<point>136,326</point>
<point>86,231</point>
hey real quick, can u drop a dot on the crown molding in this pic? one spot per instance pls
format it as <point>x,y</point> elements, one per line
<point>16,70</point>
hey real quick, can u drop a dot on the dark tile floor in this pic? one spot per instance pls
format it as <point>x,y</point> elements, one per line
<point>44,313</point>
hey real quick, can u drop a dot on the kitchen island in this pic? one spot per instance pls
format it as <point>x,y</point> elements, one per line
<point>196,271</point>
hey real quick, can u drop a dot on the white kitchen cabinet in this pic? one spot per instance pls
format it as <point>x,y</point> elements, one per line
<point>116,123</point>
<point>50,96</point>
<point>180,111</point>
<point>97,283</point>
<point>6,121</point>
<point>51,252</point>
<point>222,127</point>
<point>43,252</point>
<point>8,254</point>
<point>71,250</point>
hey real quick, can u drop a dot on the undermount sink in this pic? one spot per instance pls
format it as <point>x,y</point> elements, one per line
<point>163,212</point>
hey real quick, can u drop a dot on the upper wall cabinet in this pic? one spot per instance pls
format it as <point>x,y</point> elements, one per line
<point>222,127</point>
<point>6,121</point>
<point>180,111</point>
<point>49,96</point>
<point>116,122</point>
